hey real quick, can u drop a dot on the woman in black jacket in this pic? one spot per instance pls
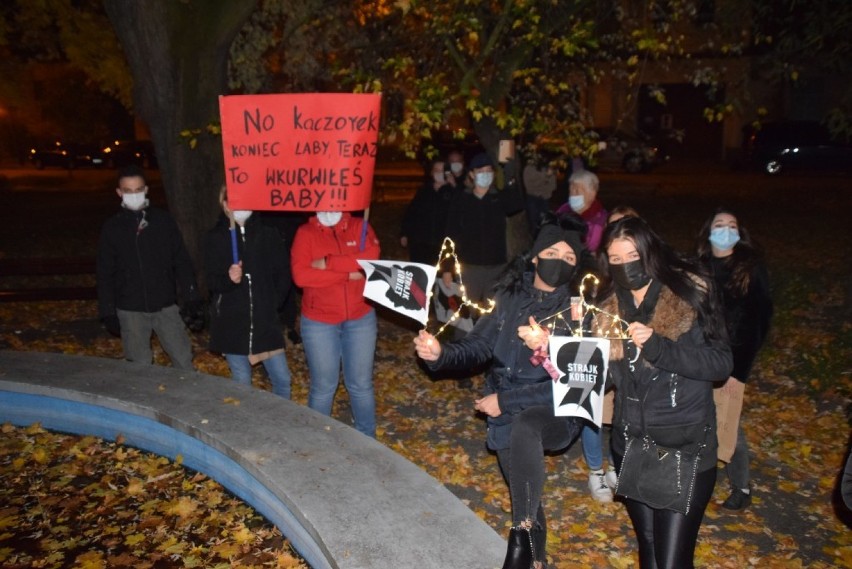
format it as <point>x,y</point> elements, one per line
<point>727,252</point>
<point>518,400</point>
<point>424,224</point>
<point>248,275</point>
<point>675,348</point>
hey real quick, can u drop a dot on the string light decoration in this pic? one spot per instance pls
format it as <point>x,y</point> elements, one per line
<point>448,251</point>
<point>616,330</point>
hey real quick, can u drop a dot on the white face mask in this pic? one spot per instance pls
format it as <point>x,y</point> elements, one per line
<point>134,201</point>
<point>438,177</point>
<point>329,218</point>
<point>456,167</point>
<point>484,179</point>
<point>241,215</point>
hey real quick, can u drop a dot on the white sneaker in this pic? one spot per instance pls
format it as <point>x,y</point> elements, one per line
<point>611,478</point>
<point>597,485</point>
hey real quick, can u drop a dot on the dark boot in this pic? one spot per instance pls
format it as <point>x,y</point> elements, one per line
<point>520,552</point>
<point>539,541</point>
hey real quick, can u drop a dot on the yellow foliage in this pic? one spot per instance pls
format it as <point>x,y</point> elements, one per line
<point>183,507</point>
<point>90,560</point>
<point>226,550</point>
<point>134,539</point>
<point>242,535</point>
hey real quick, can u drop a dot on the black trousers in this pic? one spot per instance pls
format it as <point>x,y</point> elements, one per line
<point>534,431</point>
<point>667,538</point>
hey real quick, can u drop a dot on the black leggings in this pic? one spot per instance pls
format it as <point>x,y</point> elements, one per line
<point>666,538</point>
<point>534,431</point>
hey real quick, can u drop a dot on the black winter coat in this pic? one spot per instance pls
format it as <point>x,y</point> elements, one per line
<point>494,339</point>
<point>244,316</point>
<point>425,222</point>
<point>478,225</point>
<point>672,384</point>
<point>141,262</point>
<point>747,316</point>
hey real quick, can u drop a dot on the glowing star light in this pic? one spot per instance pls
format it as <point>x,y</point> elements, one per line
<point>616,330</point>
<point>448,251</point>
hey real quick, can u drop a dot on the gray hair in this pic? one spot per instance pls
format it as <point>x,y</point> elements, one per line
<point>587,178</point>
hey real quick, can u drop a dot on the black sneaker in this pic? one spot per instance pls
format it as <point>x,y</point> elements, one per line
<point>738,500</point>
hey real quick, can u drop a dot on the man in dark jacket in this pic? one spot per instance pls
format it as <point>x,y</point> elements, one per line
<point>477,225</point>
<point>141,261</point>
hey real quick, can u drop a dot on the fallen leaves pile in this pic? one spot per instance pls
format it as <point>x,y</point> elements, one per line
<point>71,501</point>
<point>143,511</point>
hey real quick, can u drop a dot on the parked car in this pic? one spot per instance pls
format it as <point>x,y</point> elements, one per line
<point>777,147</point>
<point>65,155</point>
<point>633,152</point>
<point>123,152</point>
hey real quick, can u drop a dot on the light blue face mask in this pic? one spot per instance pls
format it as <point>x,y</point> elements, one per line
<point>576,202</point>
<point>724,238</point>
<point>484,179</point>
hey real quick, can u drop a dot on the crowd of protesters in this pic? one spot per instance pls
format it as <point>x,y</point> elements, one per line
<point>693,323</point>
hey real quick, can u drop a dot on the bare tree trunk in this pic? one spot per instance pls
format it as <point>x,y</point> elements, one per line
<point>178,54</point>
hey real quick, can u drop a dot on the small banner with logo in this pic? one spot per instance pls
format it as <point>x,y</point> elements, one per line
<point>401,286</point>
<point>582,363</point>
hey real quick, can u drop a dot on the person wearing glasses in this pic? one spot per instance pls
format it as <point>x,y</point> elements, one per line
<point>142,264</point>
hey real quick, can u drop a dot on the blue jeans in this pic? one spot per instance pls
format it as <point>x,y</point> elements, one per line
<point>592,438</point>
<point>354,342</point>
<point>275,366</point>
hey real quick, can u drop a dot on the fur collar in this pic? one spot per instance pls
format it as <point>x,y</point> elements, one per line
<point>673,317</point>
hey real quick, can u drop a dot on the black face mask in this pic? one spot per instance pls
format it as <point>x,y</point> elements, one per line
<point>630,276</point>
<point>554,272</point>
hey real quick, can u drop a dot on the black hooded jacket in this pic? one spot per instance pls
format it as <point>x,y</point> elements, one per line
<point>244,317</point>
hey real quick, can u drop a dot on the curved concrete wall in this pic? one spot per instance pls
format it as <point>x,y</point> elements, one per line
<point>344,500</point>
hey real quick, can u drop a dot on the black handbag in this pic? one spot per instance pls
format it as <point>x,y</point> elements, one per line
<point>661,477</point>
<point>658,476</point>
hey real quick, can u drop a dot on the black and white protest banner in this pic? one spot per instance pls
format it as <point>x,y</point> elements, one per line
<point>582,365</point>
<point>401,286</point>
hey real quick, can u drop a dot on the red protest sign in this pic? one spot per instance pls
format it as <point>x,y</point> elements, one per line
<point>300,152</point>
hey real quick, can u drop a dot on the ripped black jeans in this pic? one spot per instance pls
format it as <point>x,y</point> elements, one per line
<point>534,431</point>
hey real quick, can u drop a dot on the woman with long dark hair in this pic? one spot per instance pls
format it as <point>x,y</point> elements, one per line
<point>674,348</point>
<point>727,252</point>
<point>518,399</point>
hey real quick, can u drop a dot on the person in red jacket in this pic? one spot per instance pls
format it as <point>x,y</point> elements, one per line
<point>337,323</point>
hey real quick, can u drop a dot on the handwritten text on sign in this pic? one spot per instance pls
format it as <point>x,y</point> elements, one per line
<point>300,152</point>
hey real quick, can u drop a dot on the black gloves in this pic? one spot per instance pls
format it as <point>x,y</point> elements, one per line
<point>192,313</point>
<point>112,325</point>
